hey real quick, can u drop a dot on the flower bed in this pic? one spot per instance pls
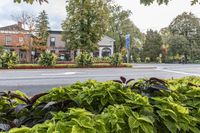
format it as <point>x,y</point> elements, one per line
<point>145,106</point>
<point>57,66</point>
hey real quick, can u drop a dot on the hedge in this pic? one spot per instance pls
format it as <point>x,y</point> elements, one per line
<point>119,106</point>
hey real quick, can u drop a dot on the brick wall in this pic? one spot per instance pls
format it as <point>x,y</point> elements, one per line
<point>17,43</point>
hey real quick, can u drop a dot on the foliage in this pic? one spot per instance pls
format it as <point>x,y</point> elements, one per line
<point>120,24</point>
<point>102,59</point>
<point>152,45</point>
<point>178,45</point>
<point>17,109</point>
<point>144,106</point>
<point>1,49</point>
<point>84,59</point>
<point>85,25</point>
<point>47,59</point>
<point>116,59</point>
<point>31,1</point>
<point>187,25</point>
<point>149,2</point>
<point>8,59</point>
<point>41,29</point>
<point>145,2</point>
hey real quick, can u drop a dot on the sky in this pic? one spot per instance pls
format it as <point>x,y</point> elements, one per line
<point>145,17</point>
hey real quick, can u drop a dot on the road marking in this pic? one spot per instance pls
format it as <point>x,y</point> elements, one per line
<point>57,74</point>
<point>178,72</point>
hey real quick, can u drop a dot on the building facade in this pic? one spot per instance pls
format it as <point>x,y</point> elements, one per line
<point>56,45</point>
<point>15,38</point>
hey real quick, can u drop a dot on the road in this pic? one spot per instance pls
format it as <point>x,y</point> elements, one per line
<point>36,81</point>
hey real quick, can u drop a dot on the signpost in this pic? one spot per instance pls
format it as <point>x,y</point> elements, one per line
<point>128,42</point>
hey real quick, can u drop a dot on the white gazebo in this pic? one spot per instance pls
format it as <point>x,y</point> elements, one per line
<point>106,46</point>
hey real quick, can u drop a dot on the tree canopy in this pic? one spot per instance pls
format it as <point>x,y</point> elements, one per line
<point>145,2</point>
<point>31,1</point>
<point>85,25</point>
<point>152,45</point>
<point>41,28</point>
<point>149,2</point>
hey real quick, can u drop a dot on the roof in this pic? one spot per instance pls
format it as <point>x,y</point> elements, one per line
<point>55,32</point>
<point>109,38</point>
<point>60,32</point>
<point>14,27</point>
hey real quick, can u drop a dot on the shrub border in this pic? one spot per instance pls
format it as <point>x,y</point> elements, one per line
<point>61,66</point>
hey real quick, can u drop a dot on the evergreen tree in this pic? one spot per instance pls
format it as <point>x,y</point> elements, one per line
<point>42,28</point>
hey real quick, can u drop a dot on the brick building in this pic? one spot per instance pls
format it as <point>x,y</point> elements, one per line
<point>15,38</point>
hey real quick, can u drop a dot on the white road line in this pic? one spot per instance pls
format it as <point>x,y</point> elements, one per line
<point>178,72</point>
<point>57,74</point>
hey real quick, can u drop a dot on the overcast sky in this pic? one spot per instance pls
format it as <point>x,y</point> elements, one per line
<point>145,17</point>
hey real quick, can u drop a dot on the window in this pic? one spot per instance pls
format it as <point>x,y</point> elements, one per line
<point>106,52</point>
<point>21,40</point>
<point>8,40</point>
<point>52,42</point>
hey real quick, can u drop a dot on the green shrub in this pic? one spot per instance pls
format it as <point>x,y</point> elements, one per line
<point>147,60</point>
<point>138,60</point>
<point>84,60</point>
<point>144,106</point>
<point>103,59</point>
<point>8,59</point>
<point>116,60</point>
<point>159,59</point>
<point>47,59</point>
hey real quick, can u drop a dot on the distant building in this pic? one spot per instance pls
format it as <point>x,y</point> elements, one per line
<point>15,38</point>
<point>56,45</point>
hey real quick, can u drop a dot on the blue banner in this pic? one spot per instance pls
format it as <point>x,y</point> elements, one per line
<point>128,41</point>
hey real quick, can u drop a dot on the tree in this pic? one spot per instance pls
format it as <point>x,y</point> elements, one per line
<point>41,28</point>
<point>117,19</point>
<point>85,25</point>
<point>119,25</point>
<point>152,45</point>
<point>178,45</point>
<point>31,1</point>
<point>185,24</point>
<point>28,20</point>
<point>149,2</point>
<point>188,25</point>
<point>145,2</point>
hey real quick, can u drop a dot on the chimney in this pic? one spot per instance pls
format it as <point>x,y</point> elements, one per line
<point>19,24</point>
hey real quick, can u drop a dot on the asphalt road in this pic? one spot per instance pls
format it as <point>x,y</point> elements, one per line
<point>36,81</point>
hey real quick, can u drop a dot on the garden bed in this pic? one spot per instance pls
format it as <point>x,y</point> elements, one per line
<point>121,106</point>
<point>57,66</point>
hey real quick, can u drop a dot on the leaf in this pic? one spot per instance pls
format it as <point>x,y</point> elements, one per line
<point>24,99</point>
<point>133,123</point>
<point>123,79</point>
<point>153,79</point>
<point>4,127</point>
<point>171,126</point>
<point>20,107</point>
<point>146,119</point>
<point>36,97</point>
<point>129,81</point>
<point>2,94</point>
<point>147,128</point>
<point>118,81</point>
<point>48,105</point>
